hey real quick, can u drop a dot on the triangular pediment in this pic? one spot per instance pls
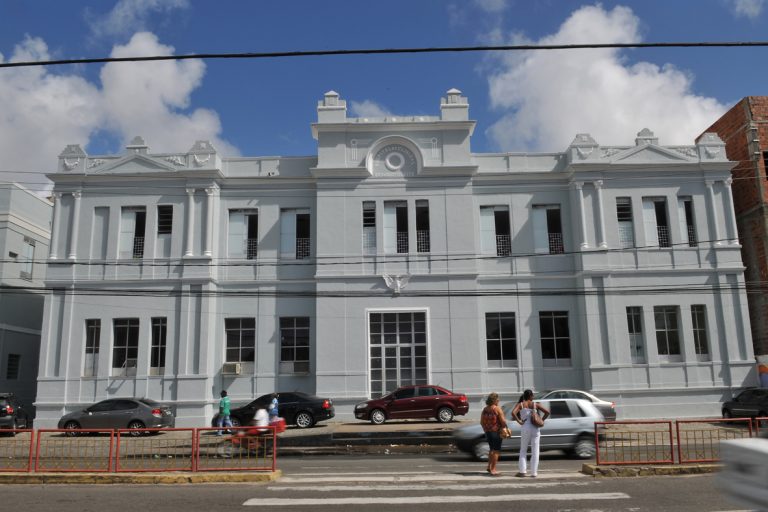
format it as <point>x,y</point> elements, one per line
<point>135,164</point>
<point>649,154</point>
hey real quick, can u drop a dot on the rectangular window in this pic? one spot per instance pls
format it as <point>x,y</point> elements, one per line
<point>398,348</point>
<point>157,349</point>
<point>555,338</point>
<point>241,340</point>
<point>125,347</point>
<point>699,320</point>
<point>132,225</point>
<point>667,333</point>
<point>501,339</point>
<point>635,329</point>
<point>369,227</point>
<point>655,220</point>
<point>92,341</point>
<point>624,218</point>
<point>547,229</point>
<point>395,227</point>
<point>422,226</point>
<point>27,259</point>
<point>685,215</point>
<point>295,241</point>
<point>495,230</point>
<point>164,219</point>
<point>12,367</point>
<point>294,344</point>
<point>243,234</point>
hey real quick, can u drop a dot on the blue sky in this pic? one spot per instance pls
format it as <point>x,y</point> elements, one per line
<point>534,101</point>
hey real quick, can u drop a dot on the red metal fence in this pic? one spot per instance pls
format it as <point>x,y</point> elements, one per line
<point>138,450</point>
<point>653,442</point>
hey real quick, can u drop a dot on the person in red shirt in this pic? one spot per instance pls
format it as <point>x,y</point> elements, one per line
<point>492,420</point>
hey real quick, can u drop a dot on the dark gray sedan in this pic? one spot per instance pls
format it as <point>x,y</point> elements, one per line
<point>115,413</point>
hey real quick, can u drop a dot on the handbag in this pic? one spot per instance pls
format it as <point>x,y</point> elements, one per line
<point>536,418</point>
<point>505,433</point>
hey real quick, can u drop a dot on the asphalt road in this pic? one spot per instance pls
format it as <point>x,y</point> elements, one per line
<point>449,482</point>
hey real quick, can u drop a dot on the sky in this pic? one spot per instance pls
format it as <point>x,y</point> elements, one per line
<point>522,101</point>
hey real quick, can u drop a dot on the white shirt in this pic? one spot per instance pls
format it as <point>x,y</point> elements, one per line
<point>261,419</point>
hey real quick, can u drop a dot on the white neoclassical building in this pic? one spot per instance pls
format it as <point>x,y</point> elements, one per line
<point>393,256</point>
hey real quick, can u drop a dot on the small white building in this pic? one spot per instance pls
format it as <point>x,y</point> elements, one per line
<point>25,228</point>
<point>394,256</point>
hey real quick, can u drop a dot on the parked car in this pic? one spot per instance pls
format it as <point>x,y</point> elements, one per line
<point>750,403</point>
<point>414,402</point>
<point>12,413</point>
<point>133,413</point>
<point>608,409</point>
<point>570,427</point>
<point>296,408</point>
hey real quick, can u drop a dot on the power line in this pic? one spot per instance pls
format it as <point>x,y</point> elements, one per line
<point>388,51</point>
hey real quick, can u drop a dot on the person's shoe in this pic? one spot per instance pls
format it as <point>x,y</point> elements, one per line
<point>534,476</point>
<point>521,475</point>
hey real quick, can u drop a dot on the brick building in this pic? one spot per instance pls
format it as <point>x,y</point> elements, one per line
<point>744,129</point>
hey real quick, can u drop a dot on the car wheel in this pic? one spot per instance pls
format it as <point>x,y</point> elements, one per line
<point>378,417</point>
<point>727,414</point>
<point>584,448</point>
<point>235,421</point>
<point>135,425</point>
<point>71,427</point>
<point>445,414</point>
<point>304,420</point>
<point>761,423</point>
<point>481,449</point>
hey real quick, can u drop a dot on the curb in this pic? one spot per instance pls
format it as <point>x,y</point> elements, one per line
<point>140,478</point>
<point>639,470</point>
<point>364,449</point>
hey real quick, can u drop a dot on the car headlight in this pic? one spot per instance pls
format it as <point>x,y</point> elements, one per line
<point>361,405</point>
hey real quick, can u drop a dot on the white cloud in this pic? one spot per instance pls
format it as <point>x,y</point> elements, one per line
<point>41,112</point>
<point>129,16</point>
<point>368,108</point>
<point>547,97</point>
<point>747,8</point>
<point>492,6</point>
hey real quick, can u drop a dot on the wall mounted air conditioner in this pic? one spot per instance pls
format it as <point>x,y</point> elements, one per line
<point>231,368</point>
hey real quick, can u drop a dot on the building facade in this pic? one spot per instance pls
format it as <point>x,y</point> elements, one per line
<point>25,229</point>
<point>395,256</point>
<point>744,129</point>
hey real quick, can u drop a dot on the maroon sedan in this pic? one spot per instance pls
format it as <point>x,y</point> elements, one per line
<point>414,402</point>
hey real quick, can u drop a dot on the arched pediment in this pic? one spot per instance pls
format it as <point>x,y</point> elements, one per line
<point>394,156</point>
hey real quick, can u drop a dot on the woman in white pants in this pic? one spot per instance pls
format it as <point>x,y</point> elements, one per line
<point>529,433</point>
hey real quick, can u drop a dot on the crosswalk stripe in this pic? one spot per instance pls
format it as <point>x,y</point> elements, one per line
<point>428,487</point>
<point>410,500</point>
<point>422,477</point>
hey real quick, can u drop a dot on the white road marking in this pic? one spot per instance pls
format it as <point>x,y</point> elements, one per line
<point>430,487</point>
<point>424,477</point>
<point>411,500</point>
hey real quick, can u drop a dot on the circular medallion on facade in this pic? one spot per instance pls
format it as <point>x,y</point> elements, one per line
<point>395,158</point>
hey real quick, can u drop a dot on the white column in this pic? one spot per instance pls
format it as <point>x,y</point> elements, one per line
<point>584,243</point>
<point>56,222</point>
<point>713,210</point>
<point>190,220</point>
<point>75,226</point>
<point>734,230</point>
<point>601,213</point>
<point>210,191</point>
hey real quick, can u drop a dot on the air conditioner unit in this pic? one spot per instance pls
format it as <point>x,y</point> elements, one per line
<point>231,368</point>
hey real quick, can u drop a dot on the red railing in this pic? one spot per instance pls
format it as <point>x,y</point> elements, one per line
<point>59,450</point>
<point>245,449</point>
<point>16,453</point>
<point>652,442</point>
<point>699,440</point>
<point>624,445</point>
<point>139,450</point>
